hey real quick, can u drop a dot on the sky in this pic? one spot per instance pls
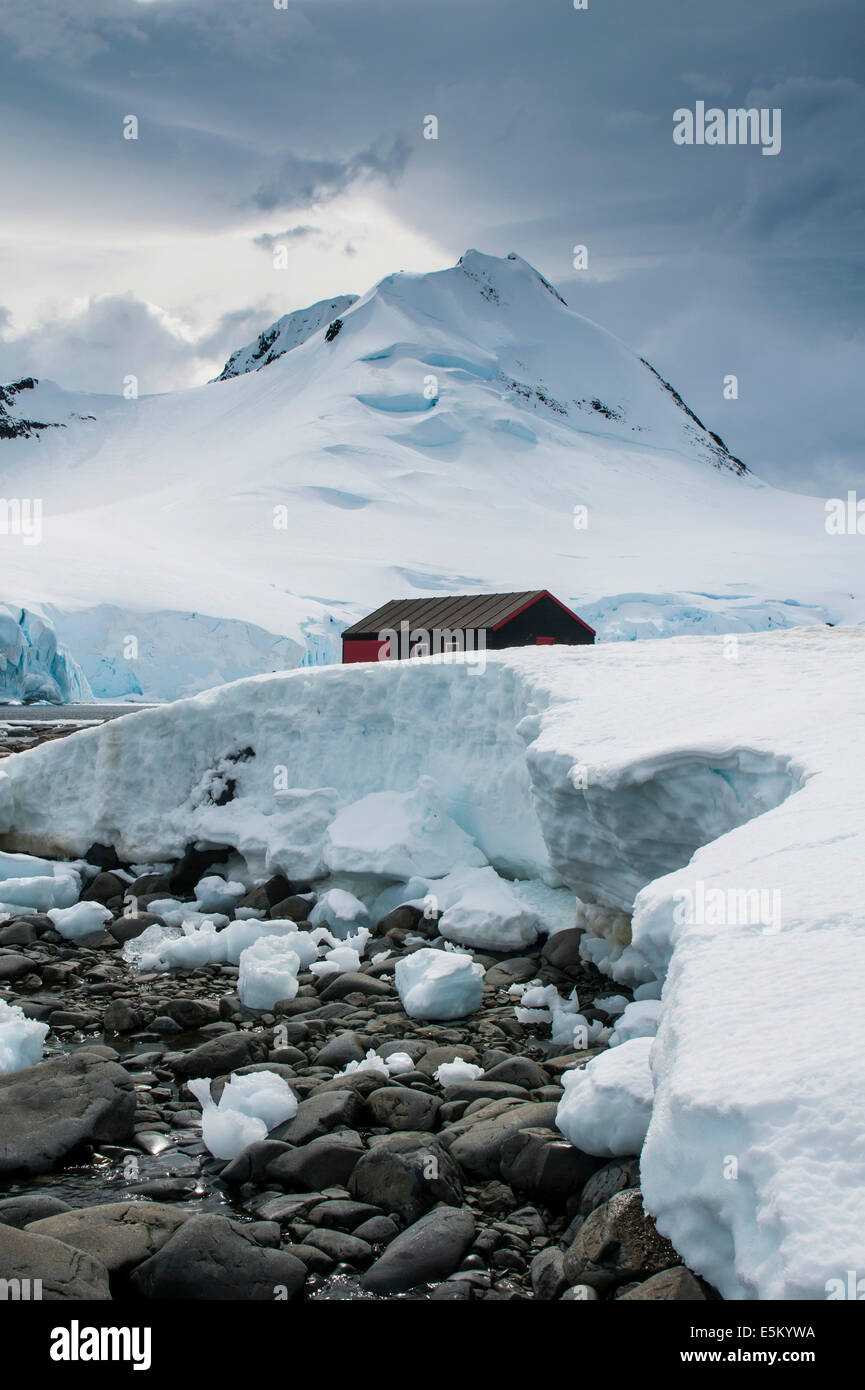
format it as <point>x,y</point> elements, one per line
<point>303,126</point>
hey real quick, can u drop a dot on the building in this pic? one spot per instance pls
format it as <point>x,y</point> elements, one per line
<point>463,622</point>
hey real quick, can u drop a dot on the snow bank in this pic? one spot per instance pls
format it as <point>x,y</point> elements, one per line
<point>701,797</point>
<point>607,1104</point>
<point>439,984</point>
<point>21,1039</point>
<point>399,835</point>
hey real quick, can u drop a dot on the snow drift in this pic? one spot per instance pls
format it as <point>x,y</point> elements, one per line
<point>708,809</point>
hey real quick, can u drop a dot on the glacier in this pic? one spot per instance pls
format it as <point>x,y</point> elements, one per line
<point>34,667</point>
<point>645,782</point>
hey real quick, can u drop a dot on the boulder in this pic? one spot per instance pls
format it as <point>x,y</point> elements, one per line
<point>211,1258</point>
<point>676,1285</point>
<point>401,1108</point>
<point>616,1244</point>
<point>607,1181</point>
<point>544,1165</point>
<point>407,1174</point>
<point>477,1149</point>
<point>30,1206</point>
<point>219,1056</point>
<point>61,1271</point>
<point>48,1110</point>
<point>319,1114</point>
<point>318,1164</point>
<point>118,1234</point>
<point>562,950</point>
<point>429,1250</point>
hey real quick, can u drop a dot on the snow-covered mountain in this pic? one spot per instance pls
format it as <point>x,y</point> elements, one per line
<point>287,333</point>
<point>457,431</point>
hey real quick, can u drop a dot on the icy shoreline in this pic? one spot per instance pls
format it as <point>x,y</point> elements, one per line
<point>605,770</point>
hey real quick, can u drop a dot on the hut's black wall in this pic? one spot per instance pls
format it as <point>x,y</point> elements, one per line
<point>542,619</point>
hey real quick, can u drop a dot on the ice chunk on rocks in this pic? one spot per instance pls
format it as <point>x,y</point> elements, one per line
<point>268,972</point>
<point>41,892</point>
<point>607,1106</point>
<point>248,1108</point>
<point>81,920</point>
<point>481,909</point>
<point>21,1039</point>
<point>341,912</point>
<point>213,894</point>
<point>639,1020</point>
<point>450,1073</point>
<point>371,1062</point>
<point>544,1004</point>
<point>439,984</point>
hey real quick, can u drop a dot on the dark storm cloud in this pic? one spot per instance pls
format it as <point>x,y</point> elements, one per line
<point>555,128</point>
<point>300,183</point>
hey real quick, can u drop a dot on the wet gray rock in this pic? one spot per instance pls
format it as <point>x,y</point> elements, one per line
<point>219,1056</point>
<point>318,1164</point>
<point>339,1051</point>
<point>340,1246</point>
<point>341,1214</point>
<point>543,1164</point>
<point>548,1274</point>
<point>118,1234</point>
<point>518,1071</point>
<point>13,966</point>
<point>251,1163</point>
<point>63,1272</point>
<point>128,927</point>
<point>477,1150</point>
<point>562,950</point>
<point>212,1258</point>
<point>613,1177</point>
<point>616,1244</point>
<point>401,1108</point>
<point>48,1110</point>
<point>30,1206</point>
<point>356,982</point>
<point>406,1175</point>
<point>671,1285</point>
<point>192,1013</point>
<point>434,1056</point>
<point>122,1016</point>
<point>429,1250</point>
<point>320,1114</point>
<point>378,1230</point>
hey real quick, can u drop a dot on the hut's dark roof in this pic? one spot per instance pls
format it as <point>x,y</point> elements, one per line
<point>450,611</point>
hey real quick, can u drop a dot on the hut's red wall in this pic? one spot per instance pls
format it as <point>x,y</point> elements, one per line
<point>361,649</point>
